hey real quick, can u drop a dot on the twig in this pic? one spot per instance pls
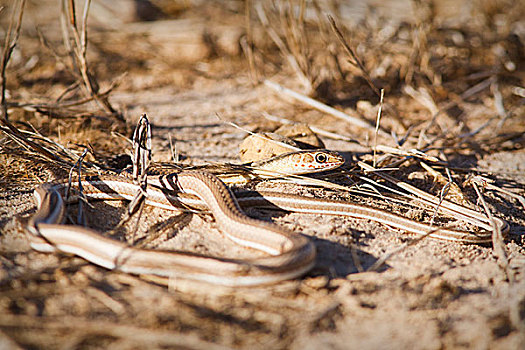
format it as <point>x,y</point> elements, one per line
<point>79,51</point>
<point>413,153</point>
<point>282,144</point>
<point>247,43</point>
<point>9,46</point>
<point>141,161</point>
<point>323,108</point>
<point>315,129</point>
<point>14,132</point>
<point>486,184</point>
<point>500,108</point>
<point>448,207</point>
<point>173,150</point>
<point>423,97</point>
<point>497,239</point>
<point>470,92</point>
<point>81,218</point>
<point>377,124</point>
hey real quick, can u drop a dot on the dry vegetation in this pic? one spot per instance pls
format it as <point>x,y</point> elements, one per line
<point>452,123</point>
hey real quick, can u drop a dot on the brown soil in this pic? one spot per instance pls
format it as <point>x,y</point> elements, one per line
<point>185,68</point>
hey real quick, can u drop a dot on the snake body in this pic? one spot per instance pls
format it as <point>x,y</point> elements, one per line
<point>290,254</point>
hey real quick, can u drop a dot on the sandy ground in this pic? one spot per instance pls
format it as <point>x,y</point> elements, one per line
<point>431,295</point>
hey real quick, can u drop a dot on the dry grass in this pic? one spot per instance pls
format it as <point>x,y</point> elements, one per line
<point>453,98</point>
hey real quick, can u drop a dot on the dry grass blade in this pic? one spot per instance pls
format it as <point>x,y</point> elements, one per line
<point>443,205</point>
<point>423,97</point>
<point>486,183</point>
<point>14,133</point>
<point>9,45</point>
<point>354,59</point>
<point>354,120</point>
<point>315,129</point>
<point>78,52</point>
<point>497,239</point>
<point>412,153</point>
<point>377,124</point>
<point>283,144</point>
<point>49,150</point>
<point>81,217</point>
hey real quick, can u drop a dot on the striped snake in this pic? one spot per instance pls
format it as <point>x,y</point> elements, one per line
<point>290,254</point>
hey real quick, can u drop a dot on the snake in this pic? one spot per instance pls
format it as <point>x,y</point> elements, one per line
<point>289,255</point>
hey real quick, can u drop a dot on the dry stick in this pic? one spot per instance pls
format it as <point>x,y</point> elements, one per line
<point>424,98</point>
<point>80,49</point>
<point>295,36</point>
<point>141,160</point>
<point>15,133</point>
<point>248,52</point>
<point>377,124</point>
<point>81,218</point>
<point>355,258</point>
<point>325,34</point>
<point>79,53</point>
<point>424,197</point>
<point>173,150</point>
<point>498,100</point>
<point>409,68</point>
<point>470,92</point>
<point>63,94</point>
<point>105,299</point>
<point>485,183</point>
<point>9,46</point>
<point>285,145</point>
<point>497,239</point>
<point>247,42</point>
<point>46,108</point>
<point>498,104</point>
<point>315,129</point>
<point>410,153</point>
<point>352,54</point>
<point>323,108</point>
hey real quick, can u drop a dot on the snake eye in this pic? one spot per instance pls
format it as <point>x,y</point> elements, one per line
<point>320,157</point>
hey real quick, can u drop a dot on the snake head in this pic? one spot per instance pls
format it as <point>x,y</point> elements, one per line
<point>315,161</point>
<point>302,162</point>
